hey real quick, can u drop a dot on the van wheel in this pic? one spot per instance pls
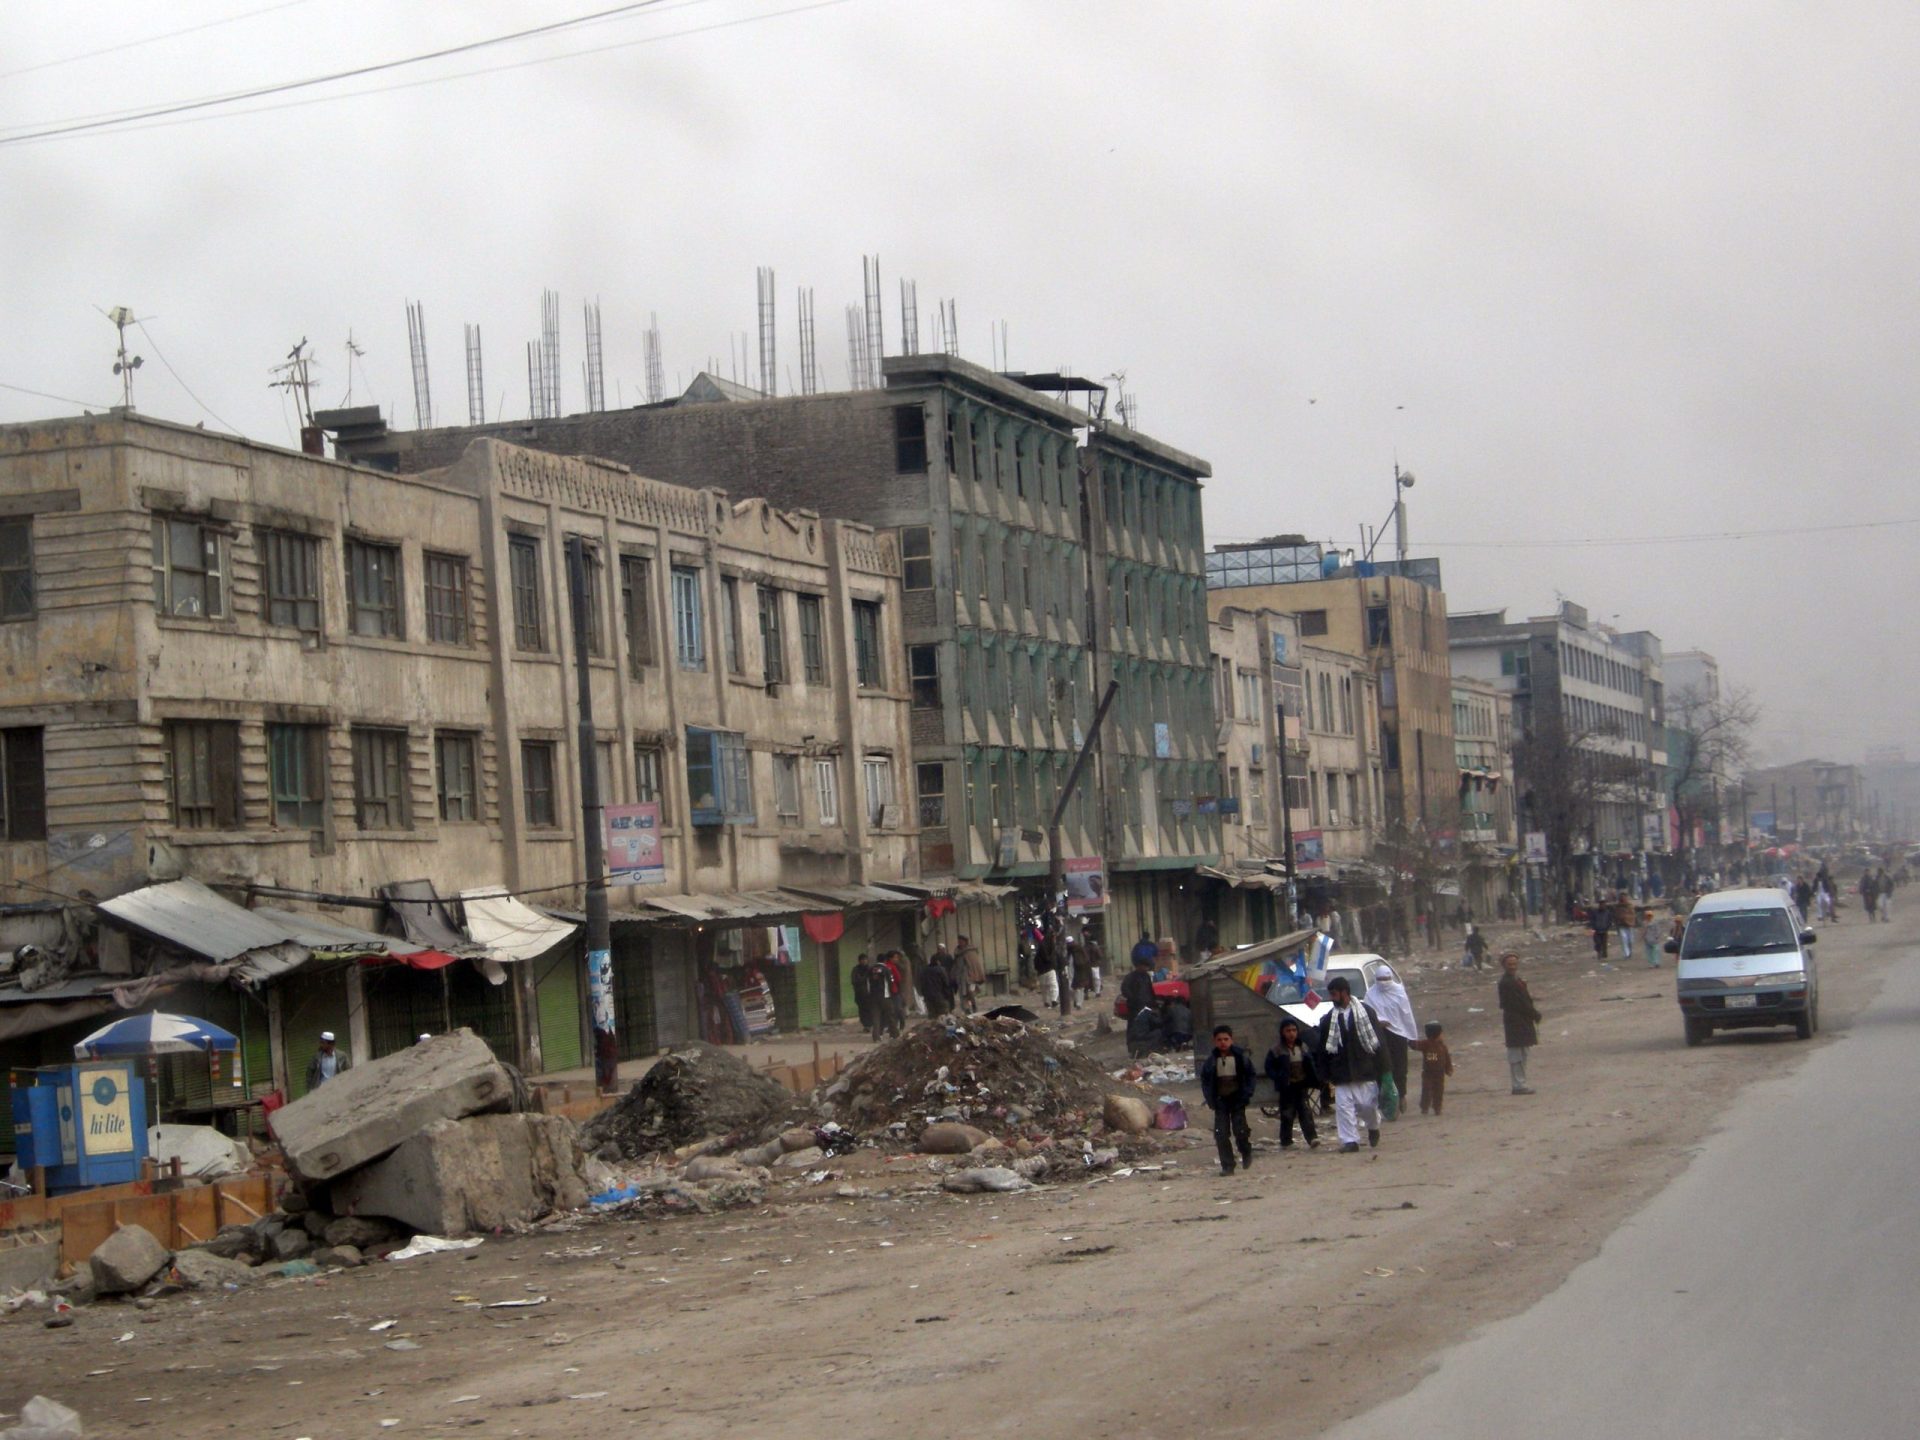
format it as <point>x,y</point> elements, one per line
<point>1803,1025</point>
<point>1696,1032</point>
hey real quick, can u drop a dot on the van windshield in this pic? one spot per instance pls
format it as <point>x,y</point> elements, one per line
<point>1739,932</point>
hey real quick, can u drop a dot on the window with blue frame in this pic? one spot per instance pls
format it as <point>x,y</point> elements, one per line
<point>719,777</point>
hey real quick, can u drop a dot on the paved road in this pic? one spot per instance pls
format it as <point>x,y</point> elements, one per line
<point>1773,1290</point>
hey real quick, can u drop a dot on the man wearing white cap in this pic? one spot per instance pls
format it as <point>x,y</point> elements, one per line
<point>327,1062</point>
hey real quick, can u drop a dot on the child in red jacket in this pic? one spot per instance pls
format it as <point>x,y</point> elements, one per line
<point>1436,1064</point>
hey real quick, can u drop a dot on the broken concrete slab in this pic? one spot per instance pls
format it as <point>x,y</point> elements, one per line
<point>480,1173</point>
<point>367,1112</point>
<point>361,1231</point>
<point>29,1265</point>
<point>126,1260</point>
<point>201,1270</point>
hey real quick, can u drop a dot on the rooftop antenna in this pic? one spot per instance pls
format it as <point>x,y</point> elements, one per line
<point>909,317</point>
<point>476,382</point>
<point>124,364</point>
<point>354,352</point>
<point>595,376</point>
<point>550,350</point>
<point>876,332</point>
<point>856,349</point>
<point>768,374</point>
<point>295,376</point>
<point>656,374</point>
<point>417,348</point>
<point>809,372</point>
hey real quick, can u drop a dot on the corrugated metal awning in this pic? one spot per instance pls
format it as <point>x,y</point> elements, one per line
<point>189,916</point>
<point>423,915</point>
<point>749,906</point>
<point>852,897</point>
<point>510,930</point>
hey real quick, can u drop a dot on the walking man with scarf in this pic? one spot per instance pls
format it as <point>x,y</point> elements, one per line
<point>1350,1052</point>
<point>1520,1017</point>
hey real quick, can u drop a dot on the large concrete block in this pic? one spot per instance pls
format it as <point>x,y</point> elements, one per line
<point>126,1260</point>
<point>29,1265</point>
<point>457,1176</point>
<point>363,1114</point>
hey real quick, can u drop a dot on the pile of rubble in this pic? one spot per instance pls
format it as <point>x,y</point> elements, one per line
<point>1004,1077</point>
<point>695,1094</point>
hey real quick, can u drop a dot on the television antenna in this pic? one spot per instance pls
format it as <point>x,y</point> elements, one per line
<point>295,375</point>
<point>123,364</point>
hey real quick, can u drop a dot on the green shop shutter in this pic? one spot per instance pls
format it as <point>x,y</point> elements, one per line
<point>557,990</point>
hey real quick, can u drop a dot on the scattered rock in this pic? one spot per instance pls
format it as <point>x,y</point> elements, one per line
<point>705,1168</point>
<point>292,1245</point>
<point>985,1179</point>
<point>126,1260</point>
<point>798,1138</point>
<point>347,1256</point>
<point>314,1222</point>
<point>1127,1113</point>
<point>236,1242</point>
<point>803,1159</point>
<point>951,1138</point>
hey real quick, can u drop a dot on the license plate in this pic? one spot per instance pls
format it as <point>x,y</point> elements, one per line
<point>1741,1002</point>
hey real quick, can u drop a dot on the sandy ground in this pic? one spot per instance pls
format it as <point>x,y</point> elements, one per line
<point>1281,1299</point>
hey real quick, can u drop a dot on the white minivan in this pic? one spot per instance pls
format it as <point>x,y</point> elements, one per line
<point>1746,958</point>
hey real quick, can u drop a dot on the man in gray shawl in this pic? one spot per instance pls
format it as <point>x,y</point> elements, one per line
<point>1351,1051</point>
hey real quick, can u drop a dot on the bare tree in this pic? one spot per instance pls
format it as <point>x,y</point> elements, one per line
<point>1565,773</point>
<point>1711,734</point>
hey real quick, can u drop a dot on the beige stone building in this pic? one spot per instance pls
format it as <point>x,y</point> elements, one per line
<point>294,678</point>
<point>1346,798</point>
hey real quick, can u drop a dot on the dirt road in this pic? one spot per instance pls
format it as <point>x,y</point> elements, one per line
<point>1310,1288</point>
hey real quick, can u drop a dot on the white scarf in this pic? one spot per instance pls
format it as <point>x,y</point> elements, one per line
<point>1362,1029</point>
<point>1392,1004</point>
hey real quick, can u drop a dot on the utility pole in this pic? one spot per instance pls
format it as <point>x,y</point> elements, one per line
<point>606,1050</point>
<point>1286,810</point>
<point>1056,857</point>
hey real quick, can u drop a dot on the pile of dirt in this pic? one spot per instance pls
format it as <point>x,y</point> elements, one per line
<point>696,1092</point>
<point>1009,1079</point>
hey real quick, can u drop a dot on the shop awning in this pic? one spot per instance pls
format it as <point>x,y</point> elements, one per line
<point>508,929</point>
<point>190,917</point>
<point>853,897</point>
<point>423,915</point>
<point>1243,879</point>
<point>747,906</point>
<point>967,892</point>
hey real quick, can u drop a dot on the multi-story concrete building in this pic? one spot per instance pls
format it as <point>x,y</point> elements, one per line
<point>1606,688</point>
<point>1346,787</point>
<point>1396,619</point>
<point>1483,746</point>
<point>291,677</point>
<point>1044,554</point>
<point>1258,693</point>
<point>1811,802</point>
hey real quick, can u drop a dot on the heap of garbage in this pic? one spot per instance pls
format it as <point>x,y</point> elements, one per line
<point>1008,1078</point>
<point>697,1093</point>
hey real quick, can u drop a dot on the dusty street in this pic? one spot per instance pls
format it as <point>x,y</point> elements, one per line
<point>1308,1290</point>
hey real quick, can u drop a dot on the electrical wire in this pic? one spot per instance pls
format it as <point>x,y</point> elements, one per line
<point>128,125</point>
<point>1699,537</point>
<point>151,39</point>
<point>63,399</point>
<point>154,344</point>
<point>281,87</point>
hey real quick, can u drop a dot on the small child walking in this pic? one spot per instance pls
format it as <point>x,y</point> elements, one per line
<point>1436,1064</point>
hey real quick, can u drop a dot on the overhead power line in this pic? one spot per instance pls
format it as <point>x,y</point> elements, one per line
<point>129,126</point>
<point>151,39</point>
<point>79,126</point>
<point>1698,537</point>
<point>63,399</point>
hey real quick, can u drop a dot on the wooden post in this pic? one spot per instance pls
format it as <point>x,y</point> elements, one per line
<point>173,1215</point>
<point>38,1179</point>
<point>219,1207</point>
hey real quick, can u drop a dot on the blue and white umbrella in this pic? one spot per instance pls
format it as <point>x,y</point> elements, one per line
<point>156,1033</point>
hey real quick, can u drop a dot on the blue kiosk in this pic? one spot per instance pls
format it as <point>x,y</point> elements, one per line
<point>86,1123</point>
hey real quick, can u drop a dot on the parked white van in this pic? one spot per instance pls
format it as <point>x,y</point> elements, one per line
<point>1746,958</point>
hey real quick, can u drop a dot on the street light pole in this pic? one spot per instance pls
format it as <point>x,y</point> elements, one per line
<point>1056,855</point>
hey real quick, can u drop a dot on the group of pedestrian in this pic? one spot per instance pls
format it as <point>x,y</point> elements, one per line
<point>1876,895</point>
<point>1356,1061</point>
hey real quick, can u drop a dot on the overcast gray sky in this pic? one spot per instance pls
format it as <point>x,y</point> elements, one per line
<point>1592,271</point>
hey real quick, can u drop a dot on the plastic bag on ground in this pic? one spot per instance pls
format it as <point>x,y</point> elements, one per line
<point>433,1245</point>
<point>1171,1115</point>
<point>44,1419</point>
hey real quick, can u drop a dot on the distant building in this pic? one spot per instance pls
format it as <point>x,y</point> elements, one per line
<point>1483,748</point>
<point>1810,802</point>
<point>1607,687</point>
<point>1392,617</point>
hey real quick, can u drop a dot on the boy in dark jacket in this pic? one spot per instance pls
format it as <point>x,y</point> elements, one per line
<point>1227,1079</point>
<point>1436,1063</point>
<point>1294,1070</point>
